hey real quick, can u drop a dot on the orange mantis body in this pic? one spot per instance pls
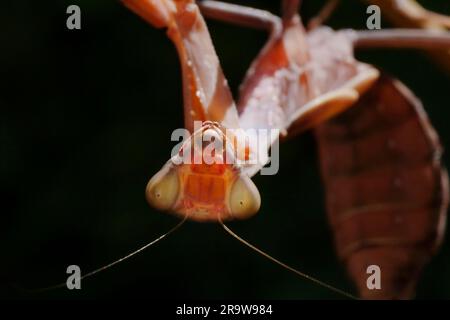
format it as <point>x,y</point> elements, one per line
<point>299,81</point>
<point>275,75</point>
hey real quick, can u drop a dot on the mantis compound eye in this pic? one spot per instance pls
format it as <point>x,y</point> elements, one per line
<point>163,188</point>
<point>244,198</point>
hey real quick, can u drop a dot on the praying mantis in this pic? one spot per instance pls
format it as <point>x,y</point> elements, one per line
<point>306,80</point>
<point>378,183</point>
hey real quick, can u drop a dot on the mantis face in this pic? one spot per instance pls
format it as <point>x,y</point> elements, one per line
<point>204,181</point>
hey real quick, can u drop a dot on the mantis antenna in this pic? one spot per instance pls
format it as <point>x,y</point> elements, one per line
<point>176,227</point>
<point>87,275</point>
<point>299,273</point>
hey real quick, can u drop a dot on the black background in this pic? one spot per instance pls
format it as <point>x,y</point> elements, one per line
<point>86,117</point>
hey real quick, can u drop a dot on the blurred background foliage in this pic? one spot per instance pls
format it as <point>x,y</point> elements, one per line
<point>86,118</point>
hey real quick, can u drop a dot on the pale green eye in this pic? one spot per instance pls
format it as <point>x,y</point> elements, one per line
<point>162,189</point>
<point>244,198</point>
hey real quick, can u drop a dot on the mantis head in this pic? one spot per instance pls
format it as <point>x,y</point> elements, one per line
<point>204,181</point>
